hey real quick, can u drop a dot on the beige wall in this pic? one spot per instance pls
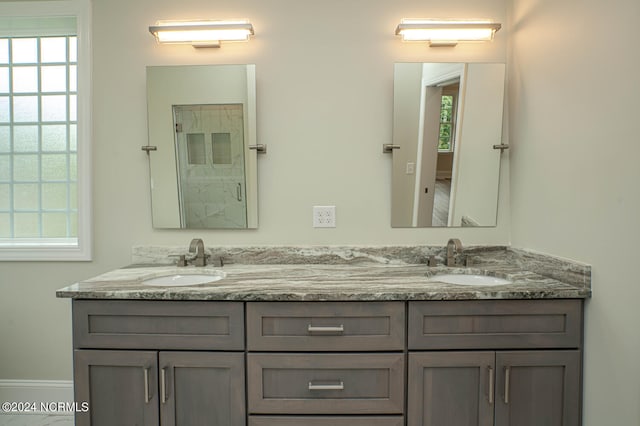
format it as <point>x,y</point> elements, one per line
<point>325,98</point>
<point>324,109</point>
<point>574,105</point>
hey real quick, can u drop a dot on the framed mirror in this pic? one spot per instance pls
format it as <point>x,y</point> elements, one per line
<point>447,117</point>
<point>202,128</point>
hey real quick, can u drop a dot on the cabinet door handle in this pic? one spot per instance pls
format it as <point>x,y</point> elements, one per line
<point>163,385</point>
<point>326,386</point>
<point>239,192</point>
<point>314,329</point>
<point>507,383</point>
<point>491,384</point>
<point>146,385</point>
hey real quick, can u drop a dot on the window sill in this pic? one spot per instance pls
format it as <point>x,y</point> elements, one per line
<point>54,249</point>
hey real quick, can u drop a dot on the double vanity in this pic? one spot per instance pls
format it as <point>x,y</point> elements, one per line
<point>332,336</point>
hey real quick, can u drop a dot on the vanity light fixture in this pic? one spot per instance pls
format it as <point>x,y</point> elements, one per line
<point>201,33</point>
<point>446,32</point>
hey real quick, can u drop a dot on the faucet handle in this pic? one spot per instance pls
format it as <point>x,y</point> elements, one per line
<point>182,259</point>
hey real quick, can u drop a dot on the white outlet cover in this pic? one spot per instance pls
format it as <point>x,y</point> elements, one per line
<point>324,216</point>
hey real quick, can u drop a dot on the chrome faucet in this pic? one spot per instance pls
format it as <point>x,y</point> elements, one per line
<point>454,245</point>
<point>197,247</point>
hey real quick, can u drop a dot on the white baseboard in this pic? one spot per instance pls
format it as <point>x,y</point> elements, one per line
<point>36,391</point>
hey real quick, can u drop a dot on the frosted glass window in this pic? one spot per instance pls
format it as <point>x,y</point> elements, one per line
<point>73,108</point>
<point>54,79</point>
<point>73,49</point>
<point>73,196</point>
<point>221,148</point>
<point>26,196</point>
<point>5,144</point>
<point>73,223</point>
<point>73,78</point>
<point>5,117</point>
<point>54,225</point>
<point>27,225</point>
<point>54,196</point>
<point>5,225</point>
<point>54,137</point>
<point>25,109</point>
<point>4,80</point>
<point>24,50</point>
<point>25,79</point>
<point>73,137</point>
<point>38,133</point>
<point>4,51</point>
<point>54,108</point>
<point>73,164</point>
<point>25,138</point>
<point>196,149</point>
<point>25,167</point>
<point>54,167</point>
<point>53,49</point>
<point>4,197</point>
<point>5,168</point>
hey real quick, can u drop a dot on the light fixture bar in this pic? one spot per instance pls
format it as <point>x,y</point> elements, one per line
<point>446,33</point>
<point>201,33</point>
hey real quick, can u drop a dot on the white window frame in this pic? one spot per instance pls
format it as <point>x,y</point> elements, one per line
<point>60,249</point>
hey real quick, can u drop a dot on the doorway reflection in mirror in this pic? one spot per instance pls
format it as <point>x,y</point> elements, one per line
<point>447,117</point>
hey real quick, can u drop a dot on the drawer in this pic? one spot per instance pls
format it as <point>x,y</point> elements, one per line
<point>495,324</point>
<point>363,383</point>
<point>325,421</point>
<point>125,324</point>
<point>325,326</point>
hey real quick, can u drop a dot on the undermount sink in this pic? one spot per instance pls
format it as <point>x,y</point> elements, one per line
<point>469,279</point>
<point>184,279</point>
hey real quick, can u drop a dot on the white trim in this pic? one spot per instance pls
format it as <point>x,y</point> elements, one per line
<point>54,251</point>
<point>37,391</point>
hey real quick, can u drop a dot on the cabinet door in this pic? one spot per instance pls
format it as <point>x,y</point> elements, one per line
<point>120,387</point>
<point>538,388</point>
<point>202,388</point>
<point>451,388</point>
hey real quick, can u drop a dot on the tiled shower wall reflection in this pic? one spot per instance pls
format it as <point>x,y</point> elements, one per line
<point>211,162</point>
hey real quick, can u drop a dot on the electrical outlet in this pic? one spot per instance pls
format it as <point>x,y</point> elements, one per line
<point>324,216</point>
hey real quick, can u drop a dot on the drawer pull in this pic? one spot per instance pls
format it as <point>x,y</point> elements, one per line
<point>163,385</point>
<point>314,329</point>
<point>491,384</point>
<point>146,386</point>
<point>326,386</point>
<point>507,383</point>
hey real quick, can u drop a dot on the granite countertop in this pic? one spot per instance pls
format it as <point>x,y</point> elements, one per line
<point>380,280</point>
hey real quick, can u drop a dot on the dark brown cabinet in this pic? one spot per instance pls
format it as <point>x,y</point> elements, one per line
<point>538,388</point>
<point>451,388</point>
<point>329,363</point>
<point>417,363</point>
<point>535,385</point>
<point>121,387</point>
<point>159,387</point>
<point>369,383</point>
<point>524,388</point>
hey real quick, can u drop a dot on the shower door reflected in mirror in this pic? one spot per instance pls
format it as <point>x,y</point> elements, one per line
<point>210,152</point>
<point>202,128</point>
